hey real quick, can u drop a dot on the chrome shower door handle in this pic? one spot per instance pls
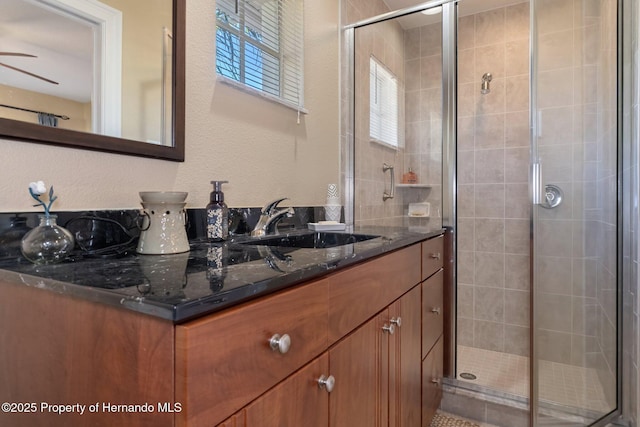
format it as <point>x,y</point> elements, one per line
<point>391,194</point>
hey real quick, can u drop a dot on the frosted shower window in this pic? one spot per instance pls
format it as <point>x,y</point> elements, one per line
<point>259,46</point>
<point>383,104</point>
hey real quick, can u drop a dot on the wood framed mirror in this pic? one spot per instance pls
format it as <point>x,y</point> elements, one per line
<point>106,127</point>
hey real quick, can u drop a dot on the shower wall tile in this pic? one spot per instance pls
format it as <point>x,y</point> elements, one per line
<point>489,200</point>
<point>490,235</point>
<point>517,93</point>
<point>490,27</point>
<point>489,131</point>
<point>466,234</point>
<point>488,303</point>
<point>516,307</point>
<point>555,88</point>
<point>517,239</point>
<point>490,58</point>
<point>517,272</point>
<point>517,129</point>
<point>517,57</point>
<point>488,335</point>
<point>466,168</point>
<point>430,40</point>
<point>466,201</point>
<point>431,71</point>
<point>517,23</point>
<point>555,312</point>
<point>489,166</point>
<point>466,71</point>
<point>516,165</point>
<point>554,15</point>
<point>554,346</point>
<point>466,267</point>
<point>466,134</point>
<point>466,32</point>
<point>517,196</point>
<point>556,50</point>
<point>554,274</point>
<point>489,269</point>
<point>516,341</point>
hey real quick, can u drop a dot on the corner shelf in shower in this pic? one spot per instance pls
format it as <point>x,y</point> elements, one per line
<point>413,186</point>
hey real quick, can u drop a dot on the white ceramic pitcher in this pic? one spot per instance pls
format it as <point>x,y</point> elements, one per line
<point>163,228</point>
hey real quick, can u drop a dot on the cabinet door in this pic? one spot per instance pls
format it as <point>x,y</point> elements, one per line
<point>432,309</point>
<point>359,364</point>
<point>432,382</point>
<point>297,401</point>
<point>405,361</point>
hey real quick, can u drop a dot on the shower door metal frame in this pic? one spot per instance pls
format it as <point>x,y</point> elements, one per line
<point>449,136</point>
<point>623,49</point>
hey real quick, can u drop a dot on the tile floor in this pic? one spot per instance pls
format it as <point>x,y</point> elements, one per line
<point>561,384</point>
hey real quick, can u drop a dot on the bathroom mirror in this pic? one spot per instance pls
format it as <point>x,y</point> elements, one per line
<point>122,90</point>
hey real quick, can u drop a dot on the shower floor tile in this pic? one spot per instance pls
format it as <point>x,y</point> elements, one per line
<point>561,384</point>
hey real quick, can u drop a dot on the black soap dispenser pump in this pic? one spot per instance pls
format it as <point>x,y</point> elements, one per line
<point>217,214</point>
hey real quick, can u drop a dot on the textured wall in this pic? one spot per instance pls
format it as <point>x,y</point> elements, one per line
<point>231,135</point>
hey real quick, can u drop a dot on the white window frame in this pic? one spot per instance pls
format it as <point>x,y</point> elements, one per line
<point>290,56</point>
<point>384,105</point>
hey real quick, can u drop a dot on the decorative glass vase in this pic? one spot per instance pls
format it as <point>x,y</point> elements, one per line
<point>48,243</point>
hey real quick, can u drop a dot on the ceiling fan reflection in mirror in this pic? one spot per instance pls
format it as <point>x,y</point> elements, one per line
<point>20,70</point>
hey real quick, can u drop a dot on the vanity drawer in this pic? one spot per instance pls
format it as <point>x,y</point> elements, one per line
<point>432,310</point>
<point>359,292</point>
<point>225,360</point>
<point>432,256</point>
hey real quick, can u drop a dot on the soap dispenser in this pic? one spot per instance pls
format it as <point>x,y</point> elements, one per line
<point>217,214</point>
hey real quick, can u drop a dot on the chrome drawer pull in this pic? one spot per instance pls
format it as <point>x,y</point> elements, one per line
<point>389,328</point>
<point>280,343</point>
<point>436,381</point>
<point>327,383</point>
<point>435,255</point>
<point>396,321</point>
<point>436,311</point>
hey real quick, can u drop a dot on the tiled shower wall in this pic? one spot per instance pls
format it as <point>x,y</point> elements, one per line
<point>493,162</point>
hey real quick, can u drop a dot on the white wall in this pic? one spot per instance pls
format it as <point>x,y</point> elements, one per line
<point>253,143</point>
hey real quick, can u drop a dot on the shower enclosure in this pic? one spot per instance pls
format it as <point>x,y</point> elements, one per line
<point>506,111</point>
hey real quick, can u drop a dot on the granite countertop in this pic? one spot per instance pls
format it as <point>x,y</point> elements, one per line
<point>208,278</point>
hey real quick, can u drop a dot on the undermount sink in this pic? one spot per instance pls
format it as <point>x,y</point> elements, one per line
<point>317,240</point>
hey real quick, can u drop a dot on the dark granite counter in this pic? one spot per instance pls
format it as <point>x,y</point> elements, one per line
<point>209,278</point>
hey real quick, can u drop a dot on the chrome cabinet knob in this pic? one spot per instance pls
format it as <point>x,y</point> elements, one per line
<point>280,343</point>
<point>396,321</point>
<point>435,255</point>
<point>327,383</point>
<point>389,328</point>
<point>436,381</point>
<point>436,311</point>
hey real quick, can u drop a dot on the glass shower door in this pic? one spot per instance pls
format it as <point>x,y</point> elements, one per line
<point>575,232</point>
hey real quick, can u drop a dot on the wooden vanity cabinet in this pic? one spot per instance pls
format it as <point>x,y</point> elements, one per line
<point>432,327</point>
<point>376,317</point>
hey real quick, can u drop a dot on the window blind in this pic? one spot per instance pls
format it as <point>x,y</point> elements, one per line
<point>259,44</point>
<point>383,104</point>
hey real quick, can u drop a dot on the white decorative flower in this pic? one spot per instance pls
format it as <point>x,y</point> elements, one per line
<point>38,187</point>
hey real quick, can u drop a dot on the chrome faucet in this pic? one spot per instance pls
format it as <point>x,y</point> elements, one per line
<point>269,218</point>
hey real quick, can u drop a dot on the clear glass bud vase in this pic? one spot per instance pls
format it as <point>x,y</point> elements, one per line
<point>48,243</point>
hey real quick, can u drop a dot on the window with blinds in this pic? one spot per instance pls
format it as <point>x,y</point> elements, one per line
<point>259,44</point>
<point>383,104</point>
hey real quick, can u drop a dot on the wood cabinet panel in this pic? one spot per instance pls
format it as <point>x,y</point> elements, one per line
<point>359,364</point>
<point>432,382</point>
<point>361,291</point>
<point>432,311</point>
<point>224,361</point>
<point>297,401</point>
<point>405,361</point>
<point>61,350</point>
<point>432,256</point>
